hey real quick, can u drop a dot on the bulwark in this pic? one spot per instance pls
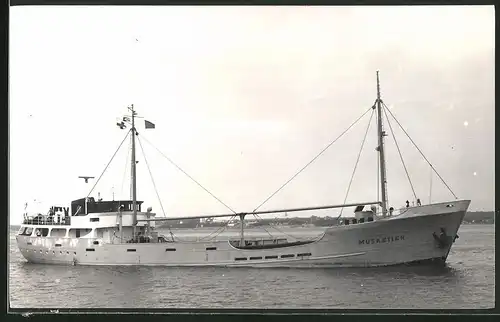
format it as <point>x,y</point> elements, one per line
<point>381,240</point>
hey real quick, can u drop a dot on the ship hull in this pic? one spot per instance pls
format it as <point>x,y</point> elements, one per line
<point>421,235</point>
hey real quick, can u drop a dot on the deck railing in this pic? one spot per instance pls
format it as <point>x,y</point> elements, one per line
<point>65,221</point>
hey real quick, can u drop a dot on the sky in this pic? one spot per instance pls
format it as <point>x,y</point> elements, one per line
<point>243,98</point>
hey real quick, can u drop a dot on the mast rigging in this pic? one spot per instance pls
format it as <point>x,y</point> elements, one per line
<point>421,153</point>
<point>379,105</point>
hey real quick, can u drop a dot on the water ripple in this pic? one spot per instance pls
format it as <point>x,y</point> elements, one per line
<point>466,282</point>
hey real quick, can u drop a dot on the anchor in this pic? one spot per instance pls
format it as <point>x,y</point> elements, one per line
<point>443,239</point>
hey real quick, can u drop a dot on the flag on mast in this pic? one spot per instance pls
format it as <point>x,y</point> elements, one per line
<point>149,125</point>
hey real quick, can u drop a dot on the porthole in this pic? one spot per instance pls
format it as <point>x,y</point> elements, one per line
<point>287,256</point>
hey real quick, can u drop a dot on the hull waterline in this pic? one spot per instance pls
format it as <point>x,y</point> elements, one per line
<point>410,238</point>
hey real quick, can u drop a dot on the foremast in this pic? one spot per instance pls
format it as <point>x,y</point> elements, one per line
<point>381,134</point>
<point>133,171</point>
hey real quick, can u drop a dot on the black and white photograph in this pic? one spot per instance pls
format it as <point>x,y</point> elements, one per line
<point>251,157</point>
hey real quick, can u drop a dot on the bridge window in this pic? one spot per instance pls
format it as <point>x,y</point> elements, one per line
<point>240,259</point>
<point>170,250</point>
<point>304,254</point>
<point>77,233</point>
<point>81,207</point>
<point>45,232</point>
<point>89,250</point>
<point>370,218</point>
<point>211,248</point>
<point>94,219</point>
<point>271,257</point>
<point>58,232</point>
<point>130,250</point>
<point>255,257</point>
<point>27,231</point>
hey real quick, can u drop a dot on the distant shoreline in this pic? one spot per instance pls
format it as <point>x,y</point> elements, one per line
<point>286,226</point>
<point>471,218</point>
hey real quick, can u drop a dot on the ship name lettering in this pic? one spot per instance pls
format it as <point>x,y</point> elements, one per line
<point>381,240</point>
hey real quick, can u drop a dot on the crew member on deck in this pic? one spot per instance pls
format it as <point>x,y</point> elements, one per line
<point>407,204</point>
<point>418,202</point>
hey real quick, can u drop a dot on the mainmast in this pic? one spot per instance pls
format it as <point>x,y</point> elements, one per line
<point>381,134</point>
<point>242,233</point>
<point>133,172</point>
